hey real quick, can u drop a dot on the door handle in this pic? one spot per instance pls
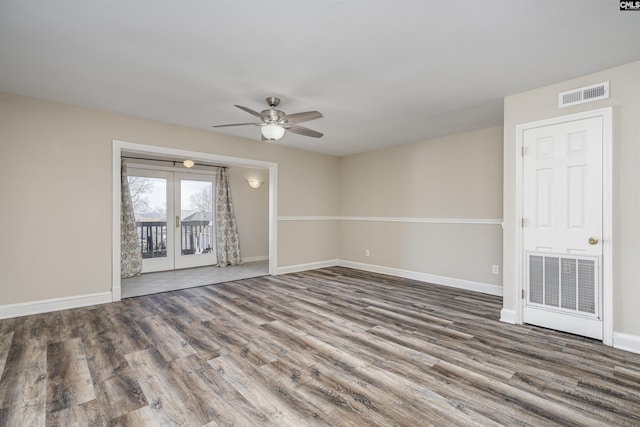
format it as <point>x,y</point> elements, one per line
<point>593,240</point>
<point>177,221</point>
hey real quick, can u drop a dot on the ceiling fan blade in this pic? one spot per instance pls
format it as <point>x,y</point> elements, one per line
<point>250,111</point>
<point>236,124</point>
<point>303,117</point>
<point>301,130</point>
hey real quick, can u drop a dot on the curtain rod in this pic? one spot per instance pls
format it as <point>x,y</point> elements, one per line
<point>172,161</point>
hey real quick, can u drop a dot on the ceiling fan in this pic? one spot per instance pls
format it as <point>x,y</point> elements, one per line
<point>274,123</point>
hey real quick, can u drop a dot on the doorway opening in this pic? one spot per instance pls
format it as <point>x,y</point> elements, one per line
<point>175,219</point>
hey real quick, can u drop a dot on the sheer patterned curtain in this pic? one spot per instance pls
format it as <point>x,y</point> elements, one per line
<point>228,244</point>
<point>130,253</point>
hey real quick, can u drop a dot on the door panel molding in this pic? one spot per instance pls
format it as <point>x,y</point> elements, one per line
<point>607,213</point>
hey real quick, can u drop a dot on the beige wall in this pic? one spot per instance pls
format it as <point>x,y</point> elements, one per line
<point>56,195</point>
<point>625,99</point>
<point>456,177</point>
<point>251,209</point>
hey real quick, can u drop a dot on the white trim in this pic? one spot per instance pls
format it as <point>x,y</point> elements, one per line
<point>53,304</point>
<point>508,316</point>
<point>309,218</point>
<point>309,266</point>
<point>469,285</point>
<point>131,148</point>
<point>256,258</point>
<point>273,218</point>
<point>626,342</point>
<point>485,221</point>
<point>607,211</point>
<point>116,290</point>
<point>607,225</point>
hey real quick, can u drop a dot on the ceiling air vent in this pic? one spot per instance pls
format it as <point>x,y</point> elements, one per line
<point>584,94</point>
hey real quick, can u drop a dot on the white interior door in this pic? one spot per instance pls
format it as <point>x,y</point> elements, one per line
<point>175,216</point>
<point>562,226</point>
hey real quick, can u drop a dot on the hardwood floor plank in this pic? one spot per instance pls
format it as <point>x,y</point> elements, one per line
<point>24,380</point>
<point>104,358</point>
<point>179,306</point>
<point>85,414</point>
<point>169,401</point>
<point>33,415</point>
<point>216,303</point>
<point>199,335</point>
<point>228,406</point>
<point>164,338</point>
<point>224,336</point>
<point>69,380</point>
<point>540,406</point>
<point>329,404</point>
<point>120,394</point>
<point>338,390</point>
<point>275,403</point>
<point>5,345</point>
<point>332,346</point>
<point>459,357</point>
<point>129,337</point>
<point>368,347</point>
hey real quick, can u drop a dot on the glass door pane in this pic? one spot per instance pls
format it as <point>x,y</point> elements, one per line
<point>150,191</point>
<point>196,235</point>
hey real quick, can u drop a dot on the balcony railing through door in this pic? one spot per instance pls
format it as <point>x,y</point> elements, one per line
<point>196,238</point>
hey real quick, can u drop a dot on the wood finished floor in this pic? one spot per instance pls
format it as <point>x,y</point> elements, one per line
<point>330,347</point>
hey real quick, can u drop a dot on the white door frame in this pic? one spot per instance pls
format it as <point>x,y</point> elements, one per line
<point>132,148</point>
<point>607,212</point>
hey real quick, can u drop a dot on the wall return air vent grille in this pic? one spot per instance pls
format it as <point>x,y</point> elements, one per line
<point>584,94</point>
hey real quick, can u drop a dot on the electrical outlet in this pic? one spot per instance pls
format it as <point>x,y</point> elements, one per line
<point>366,252</point>
<point>495,269</point>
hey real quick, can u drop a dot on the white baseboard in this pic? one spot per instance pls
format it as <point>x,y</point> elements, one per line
<point>54,304</point>
<point>255,258</point>
<point>469,285</point>
<point>626,342</point>
<point>508,316</point>
<point>303,267</point>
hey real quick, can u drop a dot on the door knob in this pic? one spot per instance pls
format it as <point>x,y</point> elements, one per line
<point>593,240</point>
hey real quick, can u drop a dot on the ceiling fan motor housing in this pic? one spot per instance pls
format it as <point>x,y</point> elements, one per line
<point>272,115</point>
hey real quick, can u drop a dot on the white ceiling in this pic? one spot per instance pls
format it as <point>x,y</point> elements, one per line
<point>382,72</point>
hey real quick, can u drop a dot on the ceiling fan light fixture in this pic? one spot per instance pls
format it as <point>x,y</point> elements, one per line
<point>272,132</point>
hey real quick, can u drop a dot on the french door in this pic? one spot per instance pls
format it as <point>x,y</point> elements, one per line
<point>563,226</point>
<point>175,218</point>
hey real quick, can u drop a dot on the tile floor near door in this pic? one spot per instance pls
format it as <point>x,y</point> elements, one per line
<point>153,283</point>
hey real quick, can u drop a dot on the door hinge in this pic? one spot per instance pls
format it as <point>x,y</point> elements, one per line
<point>523,151</point>
<point>523,222</point>
<point>524,294</point>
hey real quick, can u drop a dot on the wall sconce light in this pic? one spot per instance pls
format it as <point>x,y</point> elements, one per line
<point>189,164</point>
<point>254,183</point>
